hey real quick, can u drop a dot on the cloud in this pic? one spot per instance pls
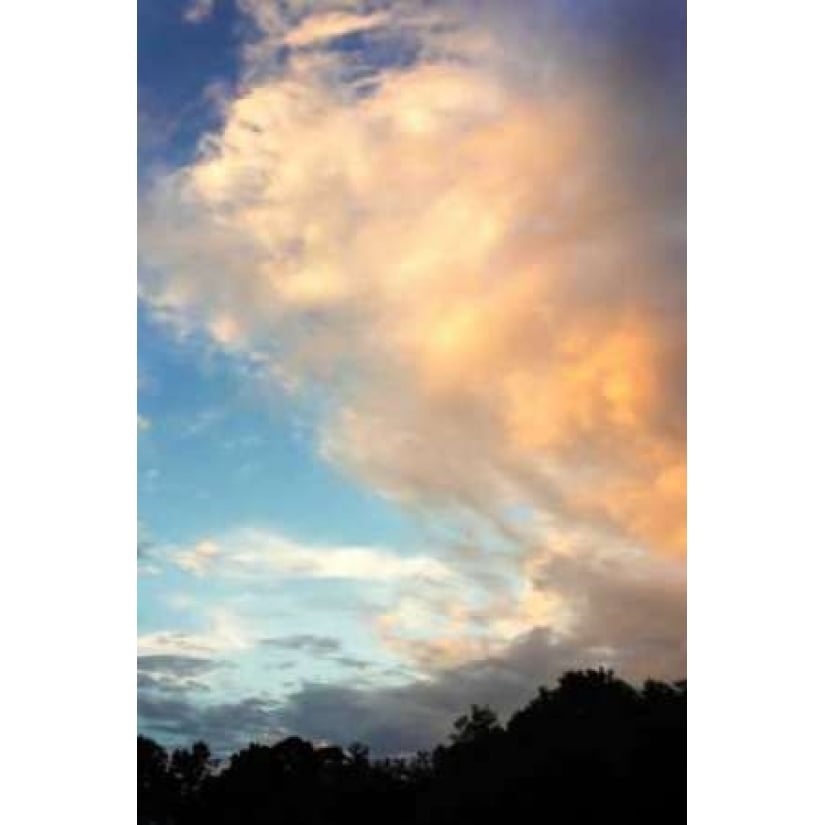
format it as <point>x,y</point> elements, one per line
<point>225,726</point>
<point>634,624</point>
<point>427,611</point>
<point>201,422</point>
<point>327,25</point>
<point>179,666</point>
<point>198,11</point>
<point>250,553</point>
<point>503,327</point>
<point>633,615</point>
<point>418,714</point>
<point>618,612</point>
<point>146,553</point>
<point>305,642</point>
<point>226,632</point>
<point>354,663</point>
<point>319,647</point>
<point>197,558</point>
<point>627,609</point>
<point>174,673</point>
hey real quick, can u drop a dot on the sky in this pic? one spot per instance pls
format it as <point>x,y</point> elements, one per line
<point>411,360</point>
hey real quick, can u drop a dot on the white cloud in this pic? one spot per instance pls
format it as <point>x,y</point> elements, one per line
<point>252,553</point>
<point>197,559</point>
<point>148,569</point>
<point>226,632</point>
<point>198,11</point>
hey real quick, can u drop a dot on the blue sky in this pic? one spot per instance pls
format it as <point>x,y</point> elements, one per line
<point>410,350</point>
<point>215,452</point>
<point>177,64</point>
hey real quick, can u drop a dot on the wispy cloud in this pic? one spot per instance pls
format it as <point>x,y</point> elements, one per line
<point>318,28</point>
<point>197,11</point>
<point>225,633</point>
<point>433,615</point>
<point>251,553</point>
<point>174,673</point>
<point>304,642</point>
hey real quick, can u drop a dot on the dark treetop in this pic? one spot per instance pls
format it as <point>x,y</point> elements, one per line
<point>593,749</point>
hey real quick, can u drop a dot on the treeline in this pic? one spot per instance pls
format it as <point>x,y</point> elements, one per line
<point>593,749</point>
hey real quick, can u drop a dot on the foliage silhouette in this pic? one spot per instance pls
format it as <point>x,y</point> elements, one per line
<point>593,748</point>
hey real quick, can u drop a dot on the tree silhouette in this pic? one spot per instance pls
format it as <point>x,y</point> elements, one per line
<point>481,723</point>
<point>594,748</point>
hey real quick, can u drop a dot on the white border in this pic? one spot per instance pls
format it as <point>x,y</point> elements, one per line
<point>755,410</point>
<point>67,457</point>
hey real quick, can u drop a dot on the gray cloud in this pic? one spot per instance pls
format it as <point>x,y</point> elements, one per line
<point>180,666</point>
<point>353,662</point>
<point>391,720</point>
<point>225,727</point>
<point>420,714</point>
<point>635,627</point>
<point>634,615</point>
<point>306,643</point>
<point>165,684</point>
<point>325,647</point>
<point>625,615</point>
<point>175,674</point>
